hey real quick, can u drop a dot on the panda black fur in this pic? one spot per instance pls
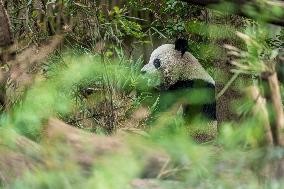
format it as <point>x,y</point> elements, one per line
<point>180,70</point>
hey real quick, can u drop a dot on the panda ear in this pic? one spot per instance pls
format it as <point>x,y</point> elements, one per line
<point>181,45</point>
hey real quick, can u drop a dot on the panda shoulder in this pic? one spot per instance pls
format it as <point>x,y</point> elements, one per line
<point>189,57</point>
<point>199,70</point>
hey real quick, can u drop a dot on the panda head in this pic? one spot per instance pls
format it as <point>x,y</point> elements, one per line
<point>167,62</point>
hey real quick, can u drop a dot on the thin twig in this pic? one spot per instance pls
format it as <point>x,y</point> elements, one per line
<point>230,82</point>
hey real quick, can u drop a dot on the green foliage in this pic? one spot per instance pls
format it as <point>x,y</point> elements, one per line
<point>117,24</point>
<point>234,157</point>
<point>48,98</point>
<point>258,56</point>
<point>106,87</point>
<point>84,22</point>
<point>278,41</point>
<point>171,17</point>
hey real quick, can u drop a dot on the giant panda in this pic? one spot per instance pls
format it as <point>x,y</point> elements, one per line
<point>180,73</point>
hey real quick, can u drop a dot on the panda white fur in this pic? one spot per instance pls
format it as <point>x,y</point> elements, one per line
<point>178,69</point>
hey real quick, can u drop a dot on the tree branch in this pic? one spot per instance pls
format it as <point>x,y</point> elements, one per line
<point>5,28</point>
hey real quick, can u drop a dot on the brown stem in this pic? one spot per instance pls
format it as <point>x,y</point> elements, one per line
<point>275,96</point>
<point>6,37</point>
<point>259,109</point>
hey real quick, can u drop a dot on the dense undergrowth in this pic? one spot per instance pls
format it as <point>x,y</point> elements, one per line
<point>235,159</point>
<point>112,134</point>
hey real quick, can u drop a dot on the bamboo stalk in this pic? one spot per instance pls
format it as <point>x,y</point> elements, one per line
<point>259,109</point>
<point>276,100</point>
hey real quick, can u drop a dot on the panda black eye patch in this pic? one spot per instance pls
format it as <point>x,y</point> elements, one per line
<point>157,63</point>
